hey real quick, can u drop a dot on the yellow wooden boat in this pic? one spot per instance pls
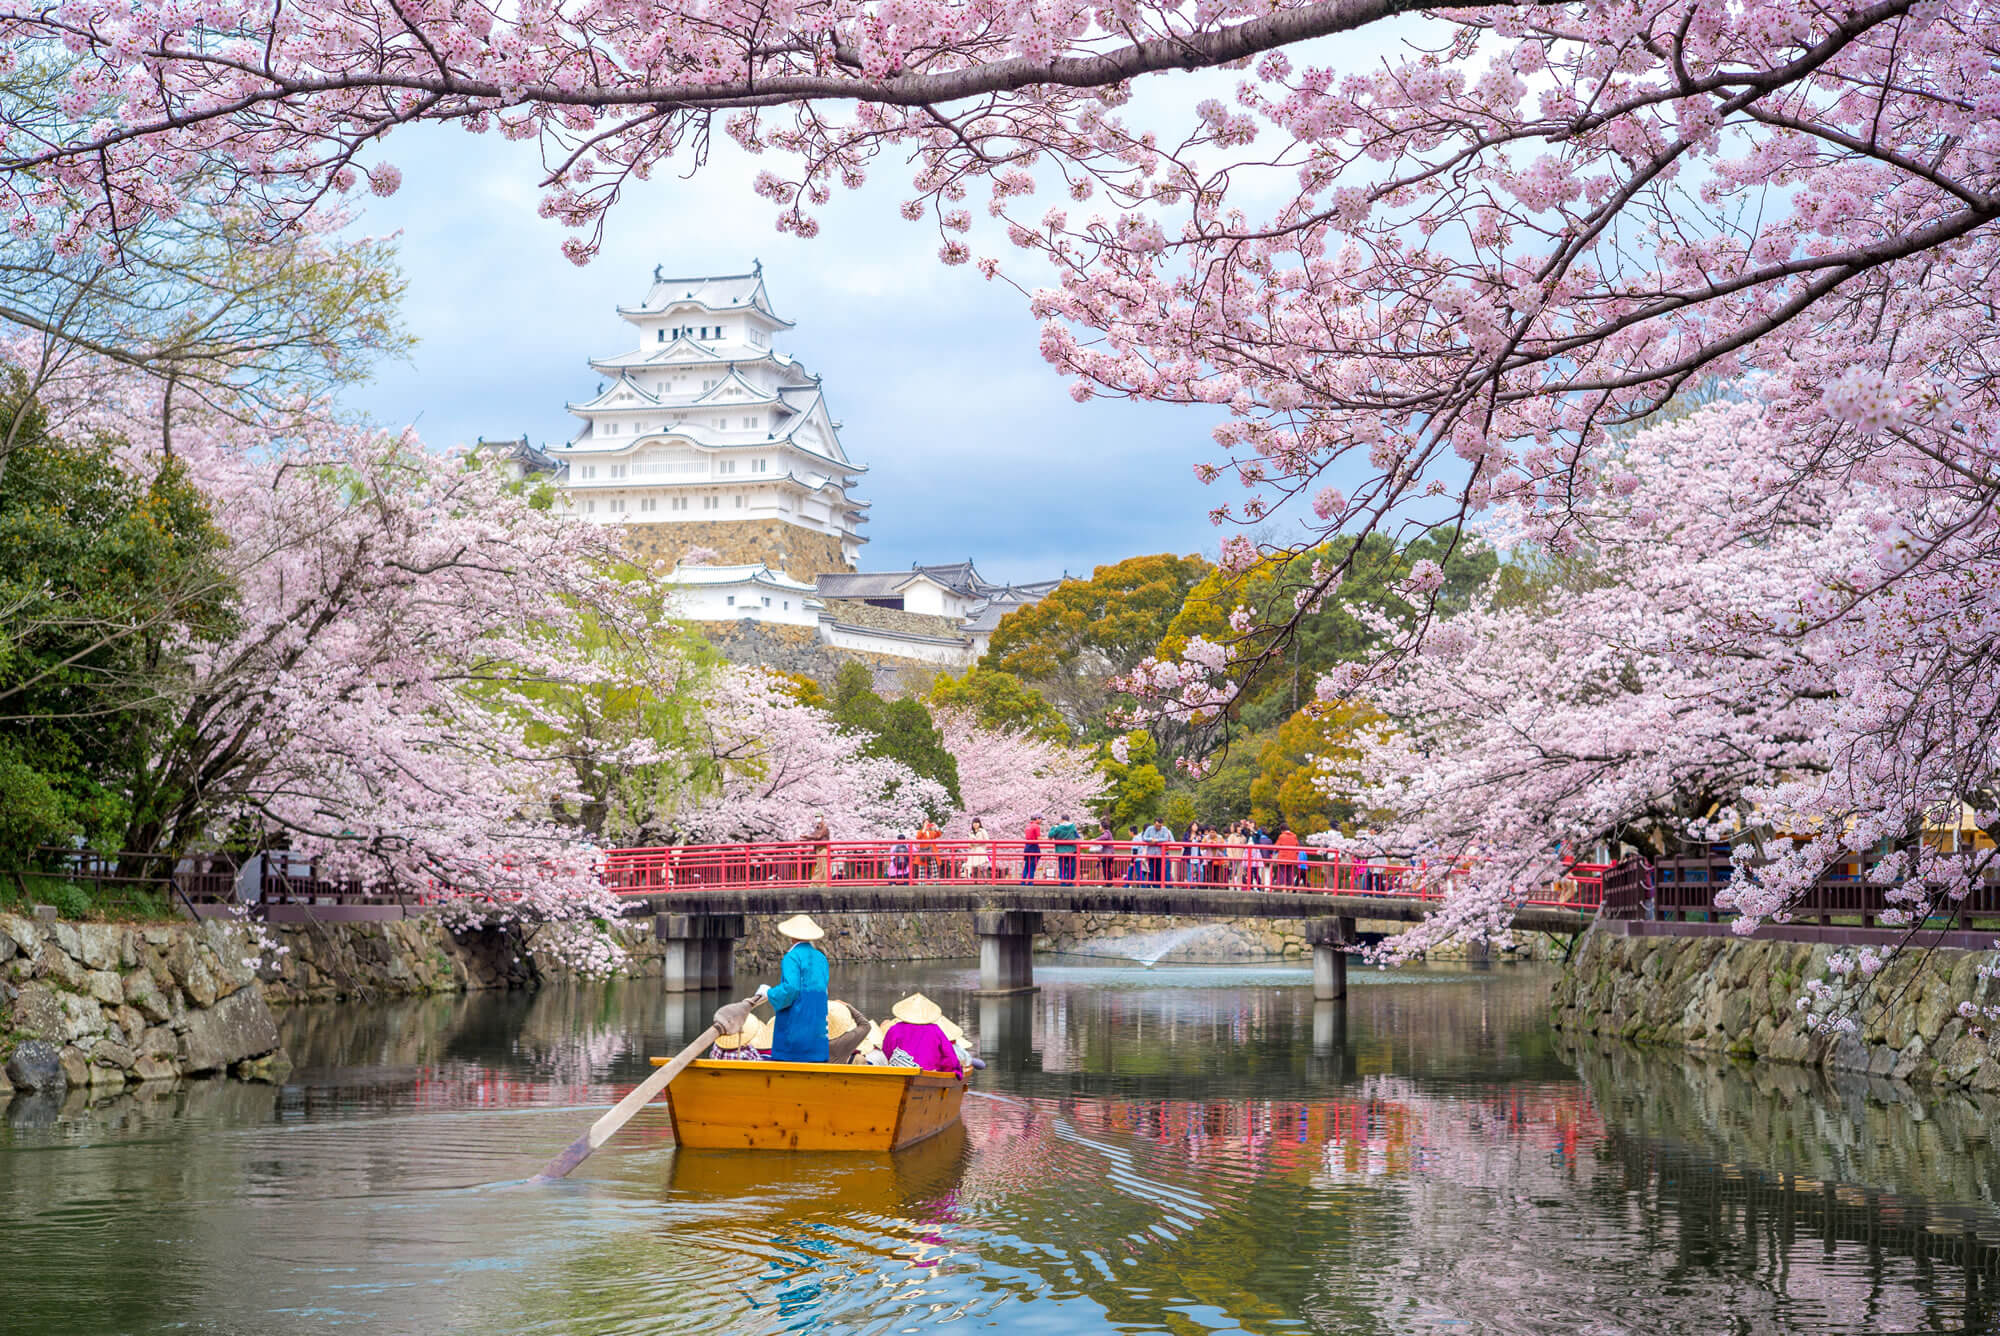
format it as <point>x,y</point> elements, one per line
<point>809,1105</point>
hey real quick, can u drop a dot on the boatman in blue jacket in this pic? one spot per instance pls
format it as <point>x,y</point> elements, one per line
<point>800,997</point>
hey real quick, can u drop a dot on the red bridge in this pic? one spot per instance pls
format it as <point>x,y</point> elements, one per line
<point>701,893</point>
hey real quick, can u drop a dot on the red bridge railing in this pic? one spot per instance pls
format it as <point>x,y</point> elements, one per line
<point>913,862</point>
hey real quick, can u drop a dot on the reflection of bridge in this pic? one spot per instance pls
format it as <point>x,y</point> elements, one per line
<point>701,893</point>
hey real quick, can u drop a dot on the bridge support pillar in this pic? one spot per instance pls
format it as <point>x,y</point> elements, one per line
<point>1006,950</point>
<point>1330,938</point>
<point>698,950</point>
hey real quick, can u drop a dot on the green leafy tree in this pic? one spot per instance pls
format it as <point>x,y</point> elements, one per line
<point>1085,632</point>
<point>106,576</point>
<point>1134,787</point>
<point>898,730</point>
<point>1337,632</point>
<point>1223,794</point>
<point>650,687</point>
<point>999,700</point>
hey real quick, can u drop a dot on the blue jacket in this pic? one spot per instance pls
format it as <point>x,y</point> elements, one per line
<point>799,1034</point>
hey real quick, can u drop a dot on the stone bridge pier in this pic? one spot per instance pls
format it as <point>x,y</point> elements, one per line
<point>699,950</point>
<point>1006,950</point>
<point>1331,938</point>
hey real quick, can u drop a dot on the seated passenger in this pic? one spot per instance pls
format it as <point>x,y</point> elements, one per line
<point>747,1045</point>
<point>846,1030</point>
<point>918,1040</point>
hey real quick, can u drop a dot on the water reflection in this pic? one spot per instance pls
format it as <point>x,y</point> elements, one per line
<point>1163,1150</point>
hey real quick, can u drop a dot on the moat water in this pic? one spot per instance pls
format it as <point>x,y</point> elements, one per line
<point>1177,1150</point>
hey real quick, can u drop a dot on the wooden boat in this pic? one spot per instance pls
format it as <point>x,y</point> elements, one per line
<point>809,1105</point>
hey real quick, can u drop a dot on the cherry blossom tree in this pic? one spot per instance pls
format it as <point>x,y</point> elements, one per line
<point>777,764</point>
<point>1005,776</point>
<point>1446,276</point>
<point>1709,674</point>
<point>384,697</point>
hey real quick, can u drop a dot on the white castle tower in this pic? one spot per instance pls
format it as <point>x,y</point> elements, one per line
<point>704,436</point>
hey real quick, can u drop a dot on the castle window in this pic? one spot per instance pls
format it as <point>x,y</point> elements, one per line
<point>590,507</point>
<point>760,466</point>
<point>680,503</point>
<point>730,600</point>
<point>663,335</point>
<point>767,600</point>
<point>739,500</point>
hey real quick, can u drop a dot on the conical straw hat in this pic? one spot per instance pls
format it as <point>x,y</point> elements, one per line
<point>755,1034</point>
<point>839,1019</point>
<point>917,1010</point>
<point>801,927</point>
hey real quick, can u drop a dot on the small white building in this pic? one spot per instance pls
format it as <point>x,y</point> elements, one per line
<point>731,593</point>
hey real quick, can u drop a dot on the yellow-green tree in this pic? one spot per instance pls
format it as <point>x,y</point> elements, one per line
<point>1337,632</point>
<point>1306,772</point>
<point>1087,631</point>
<point>999,700</point>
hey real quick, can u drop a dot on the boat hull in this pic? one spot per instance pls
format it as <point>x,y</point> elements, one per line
<point>809,1106</point>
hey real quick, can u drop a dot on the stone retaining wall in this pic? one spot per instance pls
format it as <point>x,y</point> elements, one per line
<point>1739,996</point>
<point>1182,939</point>
<point>797,649</point>
<point>101,1005</point>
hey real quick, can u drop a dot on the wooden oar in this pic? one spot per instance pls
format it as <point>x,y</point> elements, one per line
<point>604,1128</point>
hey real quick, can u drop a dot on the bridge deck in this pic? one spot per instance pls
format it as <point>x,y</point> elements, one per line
<point>1192,901</point>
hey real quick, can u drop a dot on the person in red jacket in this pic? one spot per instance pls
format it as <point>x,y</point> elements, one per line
<point>1288,857</point>
<point>1031,848</point>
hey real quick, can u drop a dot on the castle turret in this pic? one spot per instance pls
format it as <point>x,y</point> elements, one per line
<point>704,436</point>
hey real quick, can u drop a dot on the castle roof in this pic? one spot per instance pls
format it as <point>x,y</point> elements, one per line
<point>517,450</point>
<point>756,573</point>
<point>711,292</point>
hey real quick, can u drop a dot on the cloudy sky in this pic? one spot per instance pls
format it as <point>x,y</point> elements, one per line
<point>974,446</point>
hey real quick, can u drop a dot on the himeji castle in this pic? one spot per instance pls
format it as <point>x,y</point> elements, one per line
<point>705,439</point>
<point>705,435</point>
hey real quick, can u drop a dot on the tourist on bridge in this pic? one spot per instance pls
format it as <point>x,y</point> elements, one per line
<point>1065,835</point>
<point>1107,854</point>
<point>1288,858</point>
<point>1265,843</point>
<point>1031,848</point>
<point>917,1039</point>
<point>1215,860</point>
<point>979,852</point>
<point>1156,837</point>
<point>821,839</point>
<point>799,1030</point>
<point>927,838</point>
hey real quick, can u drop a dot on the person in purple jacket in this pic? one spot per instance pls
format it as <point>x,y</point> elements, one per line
<point>917,1040</point>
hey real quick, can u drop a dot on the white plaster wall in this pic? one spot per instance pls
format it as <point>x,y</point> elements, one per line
<point>841,637</point>
<point>710,603</point>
